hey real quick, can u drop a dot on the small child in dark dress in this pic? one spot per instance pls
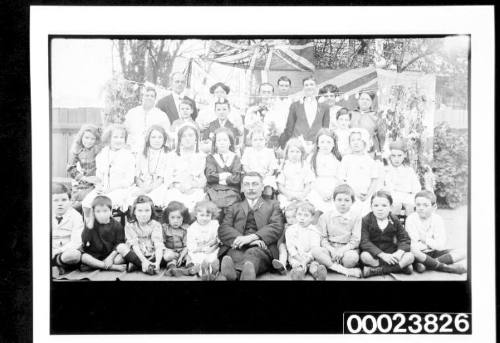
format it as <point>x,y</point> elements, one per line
<point>101,238</point>
<point>174,232</point>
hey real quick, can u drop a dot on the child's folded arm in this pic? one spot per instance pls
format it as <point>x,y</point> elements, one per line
<point>437,240</point>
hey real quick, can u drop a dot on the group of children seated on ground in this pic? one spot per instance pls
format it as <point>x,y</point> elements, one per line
<point>339,208</point>
<point>189,246</point>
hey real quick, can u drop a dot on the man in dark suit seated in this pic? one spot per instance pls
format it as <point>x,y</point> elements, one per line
<point>249,232</point>
<point>170,103</point>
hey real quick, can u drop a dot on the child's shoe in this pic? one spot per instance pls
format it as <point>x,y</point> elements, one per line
<point>214,270</point>
<point>280,267</point>
<point>354,272</point>
<point>151,270</point>
<point>56,272</point>
<point>177,272</point>
<point>322,272</point>
<point>452,268</point>
<point>170,267</point>
<point>419,267</point>
<point>317,271</point>
<point>297,273</point>
<point>194,269</point>
<point>372,271</point>
<point>408,270</point>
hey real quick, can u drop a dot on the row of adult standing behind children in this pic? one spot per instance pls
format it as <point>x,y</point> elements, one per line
<point>283,117</point>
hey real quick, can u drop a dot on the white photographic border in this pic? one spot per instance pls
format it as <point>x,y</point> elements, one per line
<point>475,20</point>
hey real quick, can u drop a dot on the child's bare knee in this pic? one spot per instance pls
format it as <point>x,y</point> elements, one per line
<point>122,249</point>
<point>71,256</point>
<point>418,255</point>
<point>366,257</point>
<point>118,260</point>
<point>409,257</point>
<point>350,259</point>
<point>169,255</point>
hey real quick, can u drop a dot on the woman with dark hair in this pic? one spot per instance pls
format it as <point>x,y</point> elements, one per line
<point>328,95</point>
<point>184,178</point>
<point>366,117</point>
<point>220,92</point>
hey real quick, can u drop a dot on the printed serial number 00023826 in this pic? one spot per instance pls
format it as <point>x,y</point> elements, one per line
<point>406,323</point>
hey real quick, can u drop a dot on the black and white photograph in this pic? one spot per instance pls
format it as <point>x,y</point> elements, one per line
<point>330,163</point>
<point>267,159</point>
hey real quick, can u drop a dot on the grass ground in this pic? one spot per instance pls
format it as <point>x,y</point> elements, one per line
<point>456,230</point>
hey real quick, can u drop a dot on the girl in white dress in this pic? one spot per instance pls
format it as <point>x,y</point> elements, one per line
<point>359,170</point>
<point>325,162</point>
<point>115,170</point>
<point>295,178</point>
<point>151,165</point>
<point>184,179</point>
<point>258,158</point>
<point>202,240</point>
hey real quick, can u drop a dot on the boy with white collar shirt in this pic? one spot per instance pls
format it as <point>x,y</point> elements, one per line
<point>67,227</point>
<point>428,237</point>
<point>301,239</point>
<point>341,234</point>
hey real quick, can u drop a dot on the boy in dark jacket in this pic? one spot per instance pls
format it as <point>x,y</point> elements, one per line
<point>385,244</point>
<point>101,237</point>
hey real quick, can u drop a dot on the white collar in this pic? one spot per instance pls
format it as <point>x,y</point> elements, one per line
<point>252,203</point>
<point>178,96</point>
<point>230,157</point>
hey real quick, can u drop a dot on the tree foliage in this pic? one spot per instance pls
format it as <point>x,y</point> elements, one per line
<point>429,55</point>
<point>148,60</point>
<point>451,168</point>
